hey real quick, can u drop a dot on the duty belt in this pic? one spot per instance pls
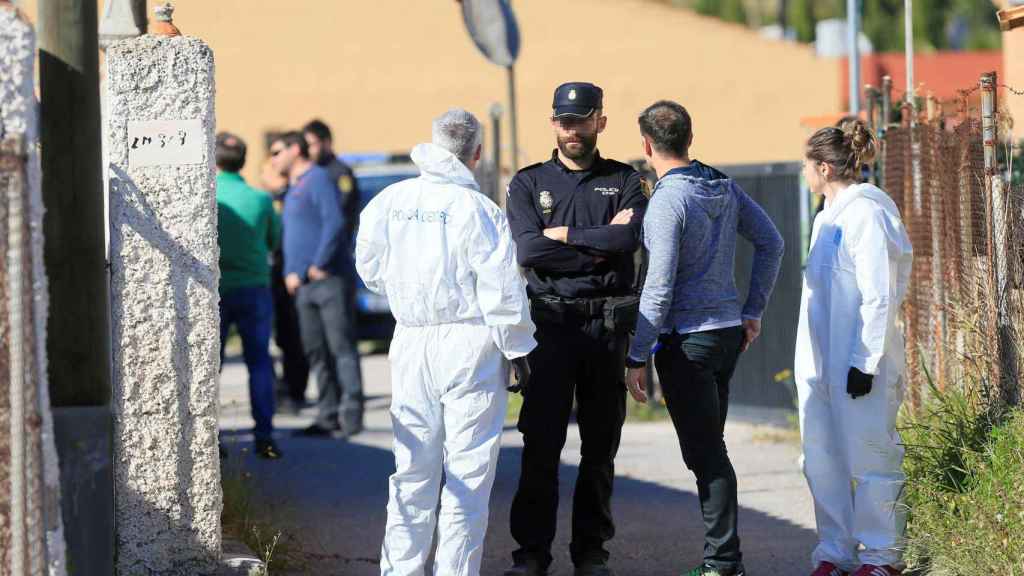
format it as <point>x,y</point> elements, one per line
<point>586,307</point>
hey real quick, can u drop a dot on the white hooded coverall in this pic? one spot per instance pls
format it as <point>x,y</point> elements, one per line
<point>857,273</point>
<point>443,255</point>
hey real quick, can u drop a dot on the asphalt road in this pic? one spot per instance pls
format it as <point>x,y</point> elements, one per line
<point>329,496</point>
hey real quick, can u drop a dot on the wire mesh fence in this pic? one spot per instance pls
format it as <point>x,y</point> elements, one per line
<point>962,205</point>
<point>22,531</point>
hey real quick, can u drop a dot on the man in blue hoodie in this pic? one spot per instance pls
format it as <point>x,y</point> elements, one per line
<point>690,305</point>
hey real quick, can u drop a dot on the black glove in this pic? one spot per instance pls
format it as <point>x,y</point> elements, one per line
<point>521,367</point>
<point>858,383</point>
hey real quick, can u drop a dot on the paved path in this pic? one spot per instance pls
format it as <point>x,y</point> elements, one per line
<point>331,495</point>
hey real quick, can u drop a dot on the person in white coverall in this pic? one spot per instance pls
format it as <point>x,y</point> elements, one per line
<point>442,254</point>
<point>850,360</point>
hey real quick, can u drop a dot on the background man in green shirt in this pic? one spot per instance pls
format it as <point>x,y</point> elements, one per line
<point>248,229</point>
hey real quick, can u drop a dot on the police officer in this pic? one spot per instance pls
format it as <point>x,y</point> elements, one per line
<point>576,220</point>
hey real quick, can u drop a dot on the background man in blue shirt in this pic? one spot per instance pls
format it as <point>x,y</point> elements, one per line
<point>317,260</point>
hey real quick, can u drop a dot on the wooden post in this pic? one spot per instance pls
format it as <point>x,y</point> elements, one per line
<point>79,330</point>
<point>78,334</point>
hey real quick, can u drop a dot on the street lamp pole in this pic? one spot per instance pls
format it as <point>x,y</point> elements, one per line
<point>853,50</point>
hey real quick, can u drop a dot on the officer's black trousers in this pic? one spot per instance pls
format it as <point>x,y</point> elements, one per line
<point>694,372</point>
<point>574,357</point>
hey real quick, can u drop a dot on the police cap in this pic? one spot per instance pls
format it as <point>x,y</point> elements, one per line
<point>578,99</point>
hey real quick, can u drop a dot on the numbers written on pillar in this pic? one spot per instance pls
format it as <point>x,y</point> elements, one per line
<point>165,143</point>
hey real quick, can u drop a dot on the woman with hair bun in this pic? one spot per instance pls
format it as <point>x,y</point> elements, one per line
<point>849,359</point>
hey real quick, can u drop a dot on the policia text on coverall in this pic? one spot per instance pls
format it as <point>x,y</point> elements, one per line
<point>561,214</point>
<point>849,360</point>
<point>691,306</point>
<point>442,254</point>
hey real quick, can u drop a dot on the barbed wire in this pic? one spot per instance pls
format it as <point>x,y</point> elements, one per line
<point>968,91</point>
<point>1011,89</point>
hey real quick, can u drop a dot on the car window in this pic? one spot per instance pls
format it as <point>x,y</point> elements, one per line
<point>371,185</point>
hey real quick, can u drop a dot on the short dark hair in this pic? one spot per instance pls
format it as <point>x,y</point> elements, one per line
<point>230,152</point>
<point>292,137</point>
<point>317,128</point>
<point>667,125</point>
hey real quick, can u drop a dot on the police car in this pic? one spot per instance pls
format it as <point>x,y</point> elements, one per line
<point>373,173</point>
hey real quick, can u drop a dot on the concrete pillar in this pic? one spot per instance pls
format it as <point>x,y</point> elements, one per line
<point>164,275</point>
<point>30,522</point>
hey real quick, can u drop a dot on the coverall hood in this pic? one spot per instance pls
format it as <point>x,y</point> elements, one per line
<point>441,166</point>
<point>863,191</point>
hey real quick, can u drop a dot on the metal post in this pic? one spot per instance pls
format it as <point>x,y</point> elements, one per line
<point>988,121</point>
<point>512,118</point>
<point>496,112</point>
<point>1006,366</point>
<point>871,98</point>
<point>886,104</point>
<point>853,51</point>
<point>78,334</point>
<point>908,37</point>
<point>885,113</point>
<point>12,159</point>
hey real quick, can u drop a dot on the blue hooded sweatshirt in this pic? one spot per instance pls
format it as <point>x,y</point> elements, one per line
<point>690,231</point>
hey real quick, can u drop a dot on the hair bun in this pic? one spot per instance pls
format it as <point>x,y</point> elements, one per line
<point>860,140</point>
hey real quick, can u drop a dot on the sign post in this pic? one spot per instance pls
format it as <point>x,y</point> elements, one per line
<point>492,25</point>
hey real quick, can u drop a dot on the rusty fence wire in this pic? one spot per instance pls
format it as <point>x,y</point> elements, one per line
<point>949,169</point>
<point>22,500</point>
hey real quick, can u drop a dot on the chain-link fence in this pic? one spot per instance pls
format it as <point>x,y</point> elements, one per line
<point>950,171</point>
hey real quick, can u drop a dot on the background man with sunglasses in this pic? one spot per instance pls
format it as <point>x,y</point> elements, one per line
<point>317,258</point>
<point>576,221</point>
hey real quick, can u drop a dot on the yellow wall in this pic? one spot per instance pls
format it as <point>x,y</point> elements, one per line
<point>377,71</point>
<point>1013,75</point>
<point>1013,72</point>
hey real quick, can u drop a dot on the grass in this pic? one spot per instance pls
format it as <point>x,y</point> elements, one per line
<point>250,519</point>
<point>965,487</point>
<point>790,434</point>
<point>635,412</point>
<point>647,412</point>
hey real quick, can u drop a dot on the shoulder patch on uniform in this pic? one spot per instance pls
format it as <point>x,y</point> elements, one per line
<point>345,183</point>
<point>645,187</point>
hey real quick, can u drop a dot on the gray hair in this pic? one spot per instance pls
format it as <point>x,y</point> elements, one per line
<point>458,132</point>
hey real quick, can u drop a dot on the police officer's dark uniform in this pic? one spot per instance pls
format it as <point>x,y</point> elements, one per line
<point>341,173</point>
<point>578,352</point>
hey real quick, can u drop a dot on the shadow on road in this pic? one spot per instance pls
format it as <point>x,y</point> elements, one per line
<point>331,495</point>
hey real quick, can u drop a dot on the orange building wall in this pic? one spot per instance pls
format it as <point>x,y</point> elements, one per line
<point>941,74</point>
<point>378,71</point>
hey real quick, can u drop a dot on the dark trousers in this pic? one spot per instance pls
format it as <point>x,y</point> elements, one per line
<point>577,358</point>
<point>325,321</point>
<point>251,310</point>
<point>694,371</point>
<point>294,368</point>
